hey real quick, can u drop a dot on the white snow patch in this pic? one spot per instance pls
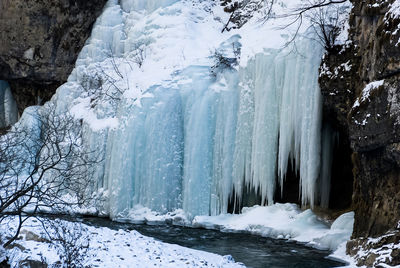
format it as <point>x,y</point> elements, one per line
<point>283,221</point>
<point>140,214</point>
<point>366,92</point>
<point>82,110</point>
<point>110,248</point>
<point>392,14</point>
<point>340,254</point>
<point>346,66</point>
<point>343,37</point>
<point>28,54</point>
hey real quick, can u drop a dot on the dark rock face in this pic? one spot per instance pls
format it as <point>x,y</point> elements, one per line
<point>40,41</point>
<point>371,253</point>
<point>32,264</point>
<point>4,264</point>
<point>370,122</point>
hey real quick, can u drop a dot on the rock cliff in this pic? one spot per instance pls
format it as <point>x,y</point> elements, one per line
<point>40,41</point>
<point>360,83</point>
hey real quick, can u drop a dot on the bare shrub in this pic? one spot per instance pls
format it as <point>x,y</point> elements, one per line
<point>70,239</point>
<point>42,163</point>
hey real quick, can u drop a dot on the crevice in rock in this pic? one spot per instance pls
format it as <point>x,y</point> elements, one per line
<point>249,199</point>
<point>342,175</point>
<point>291,189</point>
<point>27,93</point>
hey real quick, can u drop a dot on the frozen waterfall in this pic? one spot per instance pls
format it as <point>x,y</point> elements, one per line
<point>196,117</point>
<point>190,144</point>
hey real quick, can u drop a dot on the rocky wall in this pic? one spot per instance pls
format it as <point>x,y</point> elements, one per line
<point>39,43</point>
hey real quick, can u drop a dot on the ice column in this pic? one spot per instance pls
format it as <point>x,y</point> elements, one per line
<point>279,120</point>
<point>8,106</point>
<point>146,155</point>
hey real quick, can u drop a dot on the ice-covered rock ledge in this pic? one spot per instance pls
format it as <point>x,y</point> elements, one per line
<point>284,221</point>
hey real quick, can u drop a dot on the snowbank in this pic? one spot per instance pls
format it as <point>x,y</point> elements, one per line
<point>110,248</point>
<point>281,221</point>
<point>284,221</point>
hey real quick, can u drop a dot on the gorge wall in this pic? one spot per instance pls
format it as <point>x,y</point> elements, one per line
<point>40,41</point>
<point>360,83</point>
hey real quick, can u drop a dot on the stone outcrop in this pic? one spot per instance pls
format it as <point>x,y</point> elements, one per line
<point>372,252</point>
<point>360,83</point>
<point>40,41</point>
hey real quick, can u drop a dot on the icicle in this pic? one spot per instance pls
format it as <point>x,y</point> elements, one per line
<point>224,142</point>
<point>8,106</point>
<point>299,135</point>
<point>280,98</point>
<point>265,128</point>
<point>199,117</point>
<point>146,156</point>
<point>241,173</point>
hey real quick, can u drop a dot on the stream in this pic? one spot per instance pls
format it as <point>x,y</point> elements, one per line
<point>254,251</point>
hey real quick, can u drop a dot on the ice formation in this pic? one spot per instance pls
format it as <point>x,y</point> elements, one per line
<point>188,117</point>
<point>283,221</point>
<point>8,107</point>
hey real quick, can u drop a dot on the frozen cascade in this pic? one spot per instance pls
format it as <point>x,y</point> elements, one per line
<point>191,135</point>
<point>300,118</point>
<point>261,78</point>
<point>149,165</point>
<point>184,134</point>
<point>8,106</point>
<point>282,99</point>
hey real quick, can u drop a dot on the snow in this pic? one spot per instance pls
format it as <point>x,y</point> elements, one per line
<point>344,14</point>
<point>283,221</point>
<point>110,248</point>
<point>391,15</point>
<point>366,92</point>
<point>346,66</point>
<point>340,254</point>
<point>28,54</point>
<point>378,248</point>
<point>82,111</point>
<point>394,11</point>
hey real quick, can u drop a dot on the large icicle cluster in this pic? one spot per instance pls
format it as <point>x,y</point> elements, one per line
<point>188,117</point>
<point>281,120</point>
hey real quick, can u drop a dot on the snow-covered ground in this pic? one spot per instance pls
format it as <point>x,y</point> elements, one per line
<point>110,248</point>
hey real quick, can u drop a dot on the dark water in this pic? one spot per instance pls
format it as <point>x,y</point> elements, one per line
<point>253,251</point>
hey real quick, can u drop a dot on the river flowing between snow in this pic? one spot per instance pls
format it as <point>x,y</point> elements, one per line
<point>253,251</point>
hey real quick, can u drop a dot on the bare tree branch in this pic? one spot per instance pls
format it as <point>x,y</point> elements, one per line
<point>42,163</point>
